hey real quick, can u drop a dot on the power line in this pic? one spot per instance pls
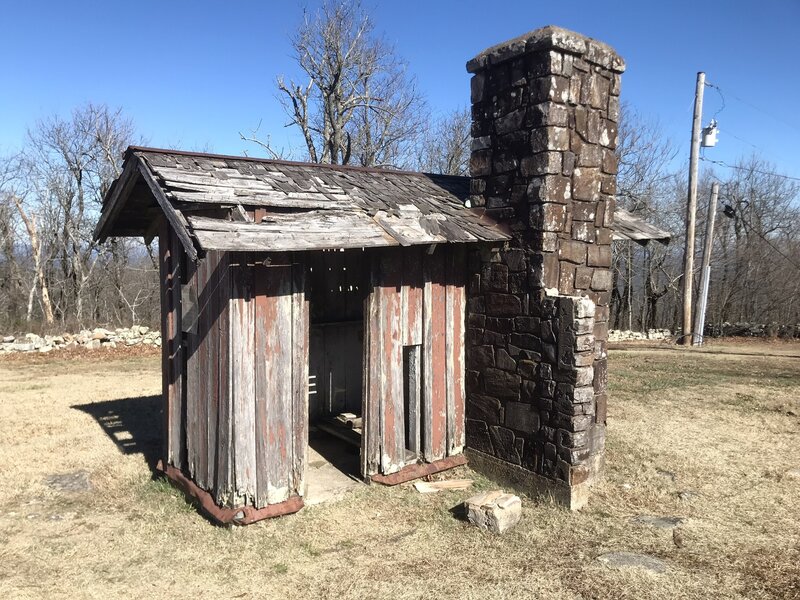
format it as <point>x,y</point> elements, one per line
<point>762,236</point>
<point>742,220</point>
<point>751,105</point>
<point>775,248</point>
<point>740,168</point>
<point>722,163</point>
<point>744,141</point>
<point>721,97</point>
<point>734,136</point>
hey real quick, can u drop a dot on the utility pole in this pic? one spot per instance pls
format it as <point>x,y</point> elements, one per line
<point>705,272</point>
<point>691,210</point>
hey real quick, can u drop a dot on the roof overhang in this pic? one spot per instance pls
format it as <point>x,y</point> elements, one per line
<point>628,226</point>
<point>210,202</point>
<point>230,203</point>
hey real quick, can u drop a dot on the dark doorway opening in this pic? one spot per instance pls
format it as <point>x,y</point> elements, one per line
<point>337,287</point>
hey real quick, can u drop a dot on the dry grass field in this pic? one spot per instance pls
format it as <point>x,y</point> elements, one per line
<point>709,436</point>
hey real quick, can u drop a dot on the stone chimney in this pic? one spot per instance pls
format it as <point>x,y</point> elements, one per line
<point>545,108</point>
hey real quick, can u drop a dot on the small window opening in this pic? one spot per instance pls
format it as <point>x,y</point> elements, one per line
<point>412,396</point>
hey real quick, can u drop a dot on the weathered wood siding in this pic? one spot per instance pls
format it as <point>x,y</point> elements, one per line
<point>269,378</point>
<point>236,380</point>
<point>455,324</point>
<point>207,368</point>
<point>237,387</point>
<point>243,389</point>
<point>172,382</point>
<point>416,303</point>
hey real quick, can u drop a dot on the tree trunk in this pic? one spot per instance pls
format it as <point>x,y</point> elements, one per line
<point>36,246</point>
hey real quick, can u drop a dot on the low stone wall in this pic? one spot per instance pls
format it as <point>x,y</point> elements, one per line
<point>89,339</point>
<point>753,330</point>
<point>624,335</point>
<point>744,329</point>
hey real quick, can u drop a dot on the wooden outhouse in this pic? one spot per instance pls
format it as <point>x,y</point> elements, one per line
<point>297,292</point>
<point>294,292</point>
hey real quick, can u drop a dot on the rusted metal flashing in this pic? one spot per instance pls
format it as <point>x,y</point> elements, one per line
<point>228,516</point>
<point>412,472</point>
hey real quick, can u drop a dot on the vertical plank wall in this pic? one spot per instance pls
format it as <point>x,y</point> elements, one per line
<point>170,253</point>
<point>455,326</point>
<point>219,447</point>
<point>245,427</point>
<point>244,410</point>
<point>417,299</point>
<point>243,383</point>
<point>268,346</point>
<point>207,371</point>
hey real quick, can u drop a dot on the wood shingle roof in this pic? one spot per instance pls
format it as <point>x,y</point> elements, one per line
<point>303,206</point>
<point>209,201</point>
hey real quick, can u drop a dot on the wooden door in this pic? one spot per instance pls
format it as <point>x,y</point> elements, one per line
<point>267,432</point>
<point>413,359</point>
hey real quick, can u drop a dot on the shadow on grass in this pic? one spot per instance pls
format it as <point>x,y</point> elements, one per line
<point>135,425</point>
<point>459,512</point>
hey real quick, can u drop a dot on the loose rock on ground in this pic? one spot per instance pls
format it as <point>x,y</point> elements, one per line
<point>659,522</point>
<point>77,481</point>
<point>631,560</point>
<point>494,511</point>
<point>89,339</point>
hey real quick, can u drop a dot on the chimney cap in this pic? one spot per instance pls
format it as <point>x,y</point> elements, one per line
<point>546,38</point>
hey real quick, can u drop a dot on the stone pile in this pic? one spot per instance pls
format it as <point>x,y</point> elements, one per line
<point>623,335</point>
<point>90,339</point>
<point>753,330</point>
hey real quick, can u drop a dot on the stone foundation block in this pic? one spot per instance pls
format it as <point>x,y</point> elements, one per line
<point>494,511</point>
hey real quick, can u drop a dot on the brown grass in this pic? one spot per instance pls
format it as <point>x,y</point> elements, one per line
<point>721,423</point>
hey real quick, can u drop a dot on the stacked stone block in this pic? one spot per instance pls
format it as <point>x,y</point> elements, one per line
<point>545,108</point>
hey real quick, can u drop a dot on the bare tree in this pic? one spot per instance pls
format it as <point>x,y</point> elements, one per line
<point>72,164</point>
<point>755,268</point>
<point>755,261</point>
<point>54,188</point>
<point>31,226</point>
<point>16,192</point>
<point>643,154</point>
<point>11,271</point>
<point>445,146</point>
<point>356,103</point>
<point>51,191</point>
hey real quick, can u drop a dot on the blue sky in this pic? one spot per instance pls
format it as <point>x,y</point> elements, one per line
<point>194,74</point>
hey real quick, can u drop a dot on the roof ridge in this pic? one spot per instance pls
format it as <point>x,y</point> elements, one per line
<point>290,163</point>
